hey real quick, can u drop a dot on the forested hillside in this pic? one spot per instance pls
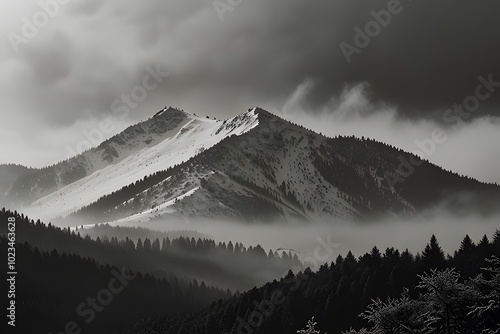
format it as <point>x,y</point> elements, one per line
<point>337,293</point>
<point>53,289</point>
<point>230,266</point>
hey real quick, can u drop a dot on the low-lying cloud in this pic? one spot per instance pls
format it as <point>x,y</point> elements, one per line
<point>411,233</point>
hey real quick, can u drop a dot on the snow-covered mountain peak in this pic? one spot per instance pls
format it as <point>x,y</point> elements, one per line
<point>169,138</point>
<point>251,166</point>
<point>240,123</point>
<point>170,112</point>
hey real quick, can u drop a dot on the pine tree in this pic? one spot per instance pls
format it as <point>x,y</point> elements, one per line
<point>487,311</point>
<point>466,244</point>
<point>484,241</point>
<point>376,256</point>
<point>147,245</point>
<point>433,255</point>
<point>139,245</point>
<point>496,238</point>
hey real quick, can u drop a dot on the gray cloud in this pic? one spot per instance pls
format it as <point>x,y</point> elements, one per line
<point>424,61</point>
<point>469,149</point>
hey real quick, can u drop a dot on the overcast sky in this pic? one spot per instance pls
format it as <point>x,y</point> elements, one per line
<point>63,76</point>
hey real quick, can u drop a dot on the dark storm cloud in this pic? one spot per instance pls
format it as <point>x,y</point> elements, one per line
<point>427,58</point>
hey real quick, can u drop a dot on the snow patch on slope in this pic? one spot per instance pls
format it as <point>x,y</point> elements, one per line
<point>192,136</point>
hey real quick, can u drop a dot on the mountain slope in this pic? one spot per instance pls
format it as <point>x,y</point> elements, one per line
<point>280,170</point>
<point>8,175</point>
<point>132,140</point>
<point>169,138</point>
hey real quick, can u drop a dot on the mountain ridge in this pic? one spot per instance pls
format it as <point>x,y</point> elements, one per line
<point>259,167</point>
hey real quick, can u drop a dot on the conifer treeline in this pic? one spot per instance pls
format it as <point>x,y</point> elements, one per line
<point>230,265</point>
<point>335,295</point>
<point>50,287</point>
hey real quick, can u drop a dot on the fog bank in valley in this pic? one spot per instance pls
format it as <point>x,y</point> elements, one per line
<point>325,241</point>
